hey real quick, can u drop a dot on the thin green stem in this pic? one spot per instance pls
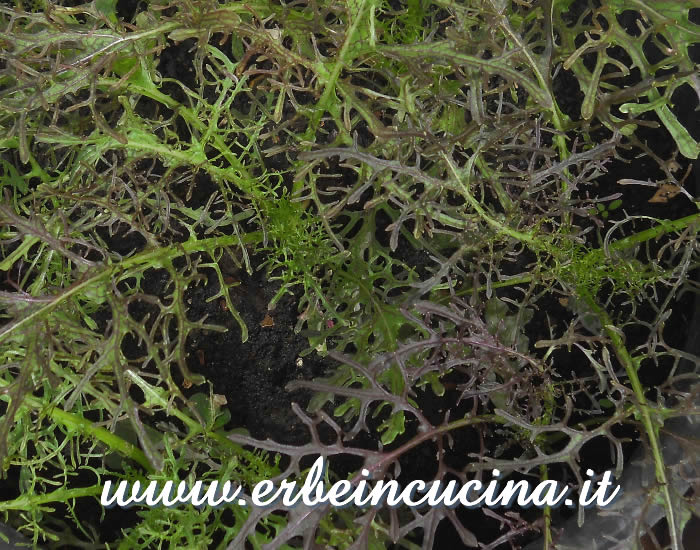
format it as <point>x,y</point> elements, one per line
<point>476,205</point>
<point>644,410</point>
<point>664,227</point>
<point>31,501</point>
<point>77,423</point>
<point>149,257</point>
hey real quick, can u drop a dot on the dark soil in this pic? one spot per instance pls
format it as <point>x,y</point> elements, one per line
<point>252,375</point>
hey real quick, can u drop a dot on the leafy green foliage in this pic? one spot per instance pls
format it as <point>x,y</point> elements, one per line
<point>413,175</point>
<point>667,26</point>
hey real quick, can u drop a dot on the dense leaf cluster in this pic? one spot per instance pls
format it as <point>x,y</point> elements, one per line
<point>415,173</point>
